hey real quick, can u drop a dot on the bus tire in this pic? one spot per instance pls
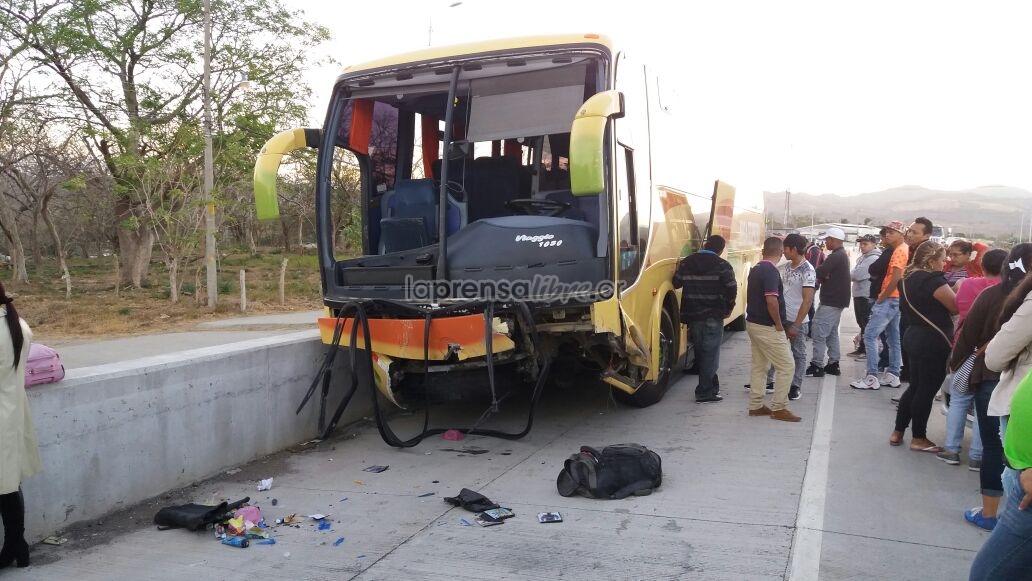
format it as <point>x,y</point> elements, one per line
<point>738,324</point>
<point>653,391</point>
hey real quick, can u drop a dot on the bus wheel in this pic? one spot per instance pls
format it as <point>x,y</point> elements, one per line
<point>653,391</point>
<point>738,324</point>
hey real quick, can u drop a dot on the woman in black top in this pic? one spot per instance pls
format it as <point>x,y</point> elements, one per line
<point>927,304</point>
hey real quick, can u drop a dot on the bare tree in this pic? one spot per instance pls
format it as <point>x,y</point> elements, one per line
<point>131,69</point>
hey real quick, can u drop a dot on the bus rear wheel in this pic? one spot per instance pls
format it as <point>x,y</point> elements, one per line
<point>653,391</point>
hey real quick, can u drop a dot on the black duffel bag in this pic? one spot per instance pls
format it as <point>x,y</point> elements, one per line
<point>618,471</point>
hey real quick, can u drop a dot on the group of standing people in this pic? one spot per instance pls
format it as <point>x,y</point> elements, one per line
<point>780,315</point>
<point>925,312</point>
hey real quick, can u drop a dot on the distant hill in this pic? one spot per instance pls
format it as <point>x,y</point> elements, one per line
<point>993,211</point>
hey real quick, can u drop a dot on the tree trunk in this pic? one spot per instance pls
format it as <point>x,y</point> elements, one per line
<point>58,247</point>
<point>252,245</point>
<point>13,235</point>
<point>173,280</point>
<point>37,248</point>
<point>283,282</point>
<point>285,227</point>
<point>199,297</point>
<point>135,248</point>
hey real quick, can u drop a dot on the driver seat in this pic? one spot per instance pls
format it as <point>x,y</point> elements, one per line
<point>493,182</point>
<point>574,212</point>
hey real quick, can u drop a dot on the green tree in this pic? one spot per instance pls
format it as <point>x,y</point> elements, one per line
<point>132,70</point>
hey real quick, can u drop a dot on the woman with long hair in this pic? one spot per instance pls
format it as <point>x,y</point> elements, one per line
<point>928,304</point>
<point>1006,554</point>
<point>19,455</point>
<point>979,327</point>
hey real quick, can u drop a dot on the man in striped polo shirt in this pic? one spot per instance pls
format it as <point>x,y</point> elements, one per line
<point>708,292</point>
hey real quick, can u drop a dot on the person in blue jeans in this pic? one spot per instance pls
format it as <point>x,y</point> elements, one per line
<point>1007,553</point>
<point>708,293</point>
<point>885,314</point>
<point>956,419</point>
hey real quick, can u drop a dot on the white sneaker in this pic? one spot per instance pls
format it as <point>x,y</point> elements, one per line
<point>889,380</point>
<point>869,382</point>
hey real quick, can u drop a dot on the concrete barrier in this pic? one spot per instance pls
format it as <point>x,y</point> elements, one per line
<point>114,435</point>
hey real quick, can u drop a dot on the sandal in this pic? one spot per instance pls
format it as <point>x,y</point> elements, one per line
<point>925,446</point>
<point>896,439</point>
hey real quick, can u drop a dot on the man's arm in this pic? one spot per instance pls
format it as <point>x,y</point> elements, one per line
<point>897,275</point>
<point>774,310</point>
<point>678,280</point>
<point>832,263</point>
<point>727,279</point>
<point>804,309</point>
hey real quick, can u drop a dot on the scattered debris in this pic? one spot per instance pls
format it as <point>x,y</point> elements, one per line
<point>465,522</point>
<point>467,450</point>
<point>343,499</point>
<point>427,453</point>
<point>266,542</point>
<point>288,520</point>
<point>317,516</point>
<point>338,542</point>
<point>265,484</point>
<point>275,502</point>
<point>287,554</point>
<point>547,517</point>
<point>435,481</point>
<point>486,521</point>
<point>54,540</point>
<point>360,557</point>
<point>233,471</point>
<point>324,525</point>
<point>375,469</point>
<point>239,542</point>
<point>453,435</point>
<point>360,482</point>
<point>426,494</point>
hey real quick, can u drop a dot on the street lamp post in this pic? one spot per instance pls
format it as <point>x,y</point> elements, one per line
<point>209,170</point>
<point>430,23</point>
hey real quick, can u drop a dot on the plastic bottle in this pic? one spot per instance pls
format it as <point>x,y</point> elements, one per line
<point>236,542</point>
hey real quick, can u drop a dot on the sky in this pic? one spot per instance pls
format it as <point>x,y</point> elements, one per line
<point>810,96</point>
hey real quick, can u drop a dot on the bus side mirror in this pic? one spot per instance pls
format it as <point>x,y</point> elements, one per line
<point>587,142</point>
<point>266,167</point>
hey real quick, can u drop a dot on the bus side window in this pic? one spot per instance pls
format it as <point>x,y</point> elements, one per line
<point>630,247</point>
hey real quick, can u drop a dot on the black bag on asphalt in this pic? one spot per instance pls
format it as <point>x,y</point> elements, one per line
<point>195,517</point>
<point>618,471</point>
<point>471,500</point>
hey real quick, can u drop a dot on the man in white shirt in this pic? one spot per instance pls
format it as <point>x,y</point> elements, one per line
<point>799,279</point>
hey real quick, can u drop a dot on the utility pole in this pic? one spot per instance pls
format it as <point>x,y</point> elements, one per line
<point>788,205</point>
<point>209,170</point>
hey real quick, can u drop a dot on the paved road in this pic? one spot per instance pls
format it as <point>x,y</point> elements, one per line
<point>742,498</point>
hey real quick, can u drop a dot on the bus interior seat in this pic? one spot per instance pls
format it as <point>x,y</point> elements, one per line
<point>494,181</point>
<point>583,208</point>
<point>398,234</point>
<point>413,202</point>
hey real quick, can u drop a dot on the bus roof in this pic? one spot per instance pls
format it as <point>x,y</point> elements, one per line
<point>501,45</point>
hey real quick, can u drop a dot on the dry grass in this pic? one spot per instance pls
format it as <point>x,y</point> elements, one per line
<point>96,311</point>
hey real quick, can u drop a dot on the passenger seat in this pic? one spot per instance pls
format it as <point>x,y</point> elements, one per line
<point>411,220</point>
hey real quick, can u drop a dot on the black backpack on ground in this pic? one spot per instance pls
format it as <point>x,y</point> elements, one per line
<point>195,517</point>
<point>618,471</point>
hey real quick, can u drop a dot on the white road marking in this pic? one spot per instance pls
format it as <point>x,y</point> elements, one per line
<point>805,563</point>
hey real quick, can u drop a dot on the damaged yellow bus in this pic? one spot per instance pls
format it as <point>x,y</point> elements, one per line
<point>513,218</point>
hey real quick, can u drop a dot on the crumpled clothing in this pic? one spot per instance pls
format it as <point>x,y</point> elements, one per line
<point>471,501</point>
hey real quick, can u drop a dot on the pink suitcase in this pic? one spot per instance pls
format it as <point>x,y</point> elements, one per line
<point>43,366</point>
